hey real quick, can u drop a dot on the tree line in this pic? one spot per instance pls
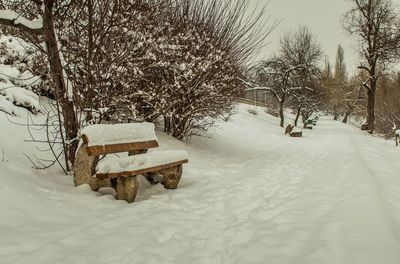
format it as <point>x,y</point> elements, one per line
<point>299,80</point>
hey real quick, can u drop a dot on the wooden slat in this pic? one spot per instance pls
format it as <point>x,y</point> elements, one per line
<point>117,148</point>
<point>101,176</point>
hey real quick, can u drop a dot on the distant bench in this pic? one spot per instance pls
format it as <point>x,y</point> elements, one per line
<point>120,173</point>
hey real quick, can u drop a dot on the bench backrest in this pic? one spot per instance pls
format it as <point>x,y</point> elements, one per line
<point>108,139</point>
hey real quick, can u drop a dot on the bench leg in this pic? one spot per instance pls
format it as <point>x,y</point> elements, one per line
<point>126,188</point>
<point>172,176</point>
<point>84,168</point>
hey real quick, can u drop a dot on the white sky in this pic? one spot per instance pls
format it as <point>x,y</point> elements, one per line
<point>323,17</point>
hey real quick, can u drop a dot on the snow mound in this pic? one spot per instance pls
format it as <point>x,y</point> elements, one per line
<point>140,162</point>
<point>101,135</point>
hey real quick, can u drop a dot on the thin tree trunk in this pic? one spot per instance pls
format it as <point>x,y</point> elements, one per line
<point>369,126</point>
<point>281,113</point>
<point>346,117</point>
<point>56,68</point>
<point>335,115</point>
<point>297,115</point>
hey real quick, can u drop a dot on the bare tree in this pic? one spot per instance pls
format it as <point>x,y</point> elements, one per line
<point>289,74</point>
<point>375,25</point>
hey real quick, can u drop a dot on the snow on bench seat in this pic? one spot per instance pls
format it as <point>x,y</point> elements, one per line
<point>297,130</point>
<point>107,139</point>
<point>112,167</point>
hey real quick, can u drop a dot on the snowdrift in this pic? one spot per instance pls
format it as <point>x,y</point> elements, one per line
<point>249,195</point>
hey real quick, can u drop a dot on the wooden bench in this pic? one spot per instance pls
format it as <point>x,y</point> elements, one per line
<point>121,173</point>
<point>291,130</point>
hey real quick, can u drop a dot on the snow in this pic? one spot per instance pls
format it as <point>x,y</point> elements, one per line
<point>7,107</point>
<point>22,97</point>
<point>139,162</point>
<point>249,194</point>
<point>398,132</point>
<point>18,19</point>
<point>27,79</point>
<point>297,130</point>
<point>15,86</point>
<point>100,135</point>
<point>14,47</point>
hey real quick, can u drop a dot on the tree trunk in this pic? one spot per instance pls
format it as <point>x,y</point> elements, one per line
<point>167,124</point>
<point>297,115</point>
<point>335,115</point>
<point>281,112</point>
<point>369,125</point>
<point>56,68</point>
<point>346,117</point>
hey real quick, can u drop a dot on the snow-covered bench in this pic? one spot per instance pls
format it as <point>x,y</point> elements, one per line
<point>397,136</point>
<point>293,131</point>
<point>120,173</point>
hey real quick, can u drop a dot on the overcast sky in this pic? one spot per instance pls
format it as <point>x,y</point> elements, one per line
<point>323,17</point>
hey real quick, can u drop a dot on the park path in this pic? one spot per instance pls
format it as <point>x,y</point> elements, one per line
<point>248,195</point>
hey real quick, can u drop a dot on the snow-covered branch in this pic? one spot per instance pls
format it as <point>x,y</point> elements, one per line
<point>13,19</point>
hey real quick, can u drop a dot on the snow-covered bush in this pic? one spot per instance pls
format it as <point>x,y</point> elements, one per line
<point>388,105</point>
<point>178,61</point>
<point>17,82</point>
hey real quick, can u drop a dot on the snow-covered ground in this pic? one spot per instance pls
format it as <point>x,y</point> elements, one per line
<point>248,195</point>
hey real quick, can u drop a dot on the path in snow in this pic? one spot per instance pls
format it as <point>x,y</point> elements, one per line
<point>249,195</point>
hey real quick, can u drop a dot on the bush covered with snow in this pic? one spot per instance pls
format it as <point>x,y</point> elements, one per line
<point>177,62</point>
<point>16,79</point>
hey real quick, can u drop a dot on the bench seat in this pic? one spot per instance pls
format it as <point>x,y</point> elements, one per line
<point>114,167</point>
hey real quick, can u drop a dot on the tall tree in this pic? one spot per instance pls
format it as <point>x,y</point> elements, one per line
<point>376,26</point>
<point>340,66</point>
